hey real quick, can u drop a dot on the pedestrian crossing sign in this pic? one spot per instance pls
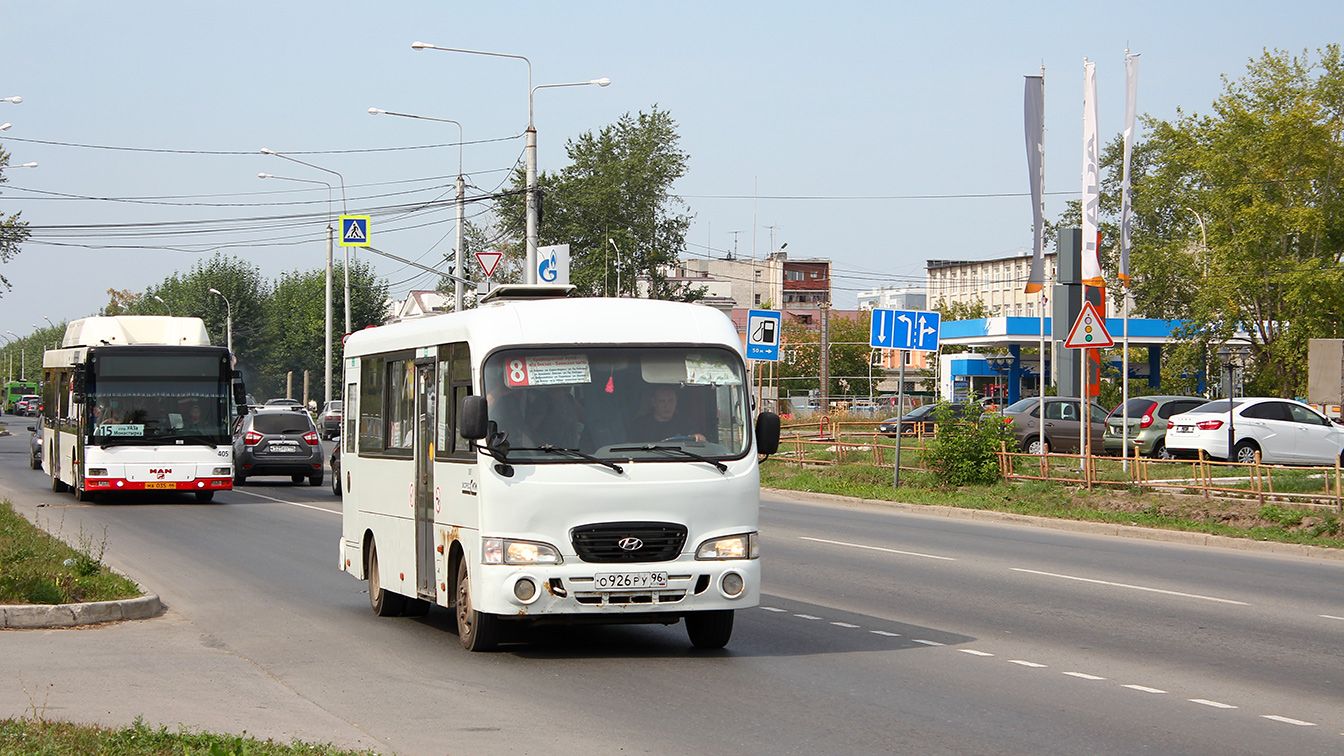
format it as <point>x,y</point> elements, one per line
<point>354,230</point>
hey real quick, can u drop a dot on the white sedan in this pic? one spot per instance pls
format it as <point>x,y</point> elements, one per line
<point>1282,430</point>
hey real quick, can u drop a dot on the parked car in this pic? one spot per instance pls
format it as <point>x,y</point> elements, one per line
<point>1148,418</point>
<point>329,419</point>
<point>1283,431</point>
<point>29,405</point>
<point>1063,424</point>
<point>35,447</point>
<point>336,468</point>
<point>921,419</point>
<point>276,440</point>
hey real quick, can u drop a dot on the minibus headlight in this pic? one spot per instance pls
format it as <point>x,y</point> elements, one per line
<point>744,546</point>
<point>509,551</point>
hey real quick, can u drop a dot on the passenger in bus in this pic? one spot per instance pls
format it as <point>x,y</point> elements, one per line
<point>506,407</point>
<point>660,421</point>
<point>557,416</point>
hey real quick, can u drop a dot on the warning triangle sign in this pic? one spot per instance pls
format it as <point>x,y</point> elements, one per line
<point>488,261</point>
<point>1089,330</point>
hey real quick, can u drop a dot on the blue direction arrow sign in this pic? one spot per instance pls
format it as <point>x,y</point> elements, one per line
<point>763,331</point>
<point>904,329</point>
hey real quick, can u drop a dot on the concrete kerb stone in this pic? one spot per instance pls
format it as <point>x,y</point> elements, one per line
<point>1073,526</point>
<point>46,616</point>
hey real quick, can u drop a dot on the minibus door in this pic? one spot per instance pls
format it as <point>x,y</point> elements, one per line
<point>424,479</point>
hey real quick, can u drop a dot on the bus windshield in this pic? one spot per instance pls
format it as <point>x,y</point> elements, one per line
<point>160,398</point>
<point>618,403</point>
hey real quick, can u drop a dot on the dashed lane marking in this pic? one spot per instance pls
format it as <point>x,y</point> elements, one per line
<point>1143,689</point>
<point>1132,587</point>
<point>773,609</point>
<point>973,652</point>
<point>1329,616</point>
<point>806,617</point>
<point>885,633</point>
<point>1026,663</point>
<point>1214,704</point>
<point>878,548</point>
<point>1083,676</point>
<point>1286,720</point>
<point>928,642</point>
<point>844,624</point>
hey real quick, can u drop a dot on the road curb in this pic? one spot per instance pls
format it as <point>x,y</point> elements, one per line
<point>1072,526</point>
<point>46,616</point>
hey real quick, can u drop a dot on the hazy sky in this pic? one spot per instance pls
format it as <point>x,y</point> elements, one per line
<point>878,135</point>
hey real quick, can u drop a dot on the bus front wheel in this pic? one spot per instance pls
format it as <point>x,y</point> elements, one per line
<point>477,631</point>
<point>710,629</point>
<point>384,602</point>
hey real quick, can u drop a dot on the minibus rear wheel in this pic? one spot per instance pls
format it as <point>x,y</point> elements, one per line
<point>385,603</point>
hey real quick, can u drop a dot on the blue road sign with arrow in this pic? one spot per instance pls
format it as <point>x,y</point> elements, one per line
<point>904,329</point>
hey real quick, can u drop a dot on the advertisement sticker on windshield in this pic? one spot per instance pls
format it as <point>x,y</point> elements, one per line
<point>708,371</point>
<point>547,371</point>
<point>120,430</point>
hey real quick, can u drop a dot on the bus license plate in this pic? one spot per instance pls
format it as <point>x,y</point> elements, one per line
<point>161,484</point>
<point>630,581</point>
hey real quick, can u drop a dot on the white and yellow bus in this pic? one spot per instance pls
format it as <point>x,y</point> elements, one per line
<point>138,403</point>
<point>518,462</point>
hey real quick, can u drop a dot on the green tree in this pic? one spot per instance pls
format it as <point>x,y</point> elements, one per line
<point>613,206</point>
<point>13,232</point>
<point>800,363</point>
<point>1239,220</point>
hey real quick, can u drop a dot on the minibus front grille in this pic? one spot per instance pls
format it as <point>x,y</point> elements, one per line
<point>610,542</point>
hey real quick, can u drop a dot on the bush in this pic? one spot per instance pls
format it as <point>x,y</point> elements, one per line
<point>965,452</point>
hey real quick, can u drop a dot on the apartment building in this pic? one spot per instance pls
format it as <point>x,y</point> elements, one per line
<point>998,283</point>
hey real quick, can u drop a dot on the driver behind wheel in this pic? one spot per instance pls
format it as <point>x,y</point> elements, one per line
<point>660,420</point>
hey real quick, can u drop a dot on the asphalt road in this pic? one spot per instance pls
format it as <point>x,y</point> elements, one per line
<point>879,632</point>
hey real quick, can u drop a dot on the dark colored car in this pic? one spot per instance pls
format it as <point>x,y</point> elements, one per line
<point>329,419</point>
<point>336,468</point>
<point>283,402</point>
<point>1148,416</point>
<point>35,447</point>
<point>277,441</point>
<point>1063,424</point>
<point>920,420</point>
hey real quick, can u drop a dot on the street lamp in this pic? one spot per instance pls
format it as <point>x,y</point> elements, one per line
<point>9,347</point>
<point>530,273</point>
<point>461,184</point>
<point>165,305</point>
<point>5,126</point>
<point>23,370</point>
<point>228,318</point>
<point>15,99</point>
<point>618,265</point>
<point>57,343</point>
<point>330,242</point>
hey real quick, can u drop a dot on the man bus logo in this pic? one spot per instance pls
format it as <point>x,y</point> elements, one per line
<point>161,472</point>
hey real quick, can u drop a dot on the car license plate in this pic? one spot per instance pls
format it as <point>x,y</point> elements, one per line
<point>630,581</point>
<point>1185,429</point>
<point>284,446</point>
<point>161,484</point>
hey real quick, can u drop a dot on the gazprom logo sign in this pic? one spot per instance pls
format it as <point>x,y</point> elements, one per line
<point>553,264</point>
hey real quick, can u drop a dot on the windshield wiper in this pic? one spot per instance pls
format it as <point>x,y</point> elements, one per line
<point>674,450</point>
<point>574,453</point>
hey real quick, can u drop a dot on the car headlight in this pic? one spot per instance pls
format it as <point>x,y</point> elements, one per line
<point>744,546</point>
<point>509,551</point>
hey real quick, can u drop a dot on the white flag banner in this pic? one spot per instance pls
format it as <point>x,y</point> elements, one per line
<point>1091,265</point>
<point>1126,207</point>
<point>1033,108</point>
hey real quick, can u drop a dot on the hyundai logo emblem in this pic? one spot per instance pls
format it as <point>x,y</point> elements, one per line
<point>630,544</point>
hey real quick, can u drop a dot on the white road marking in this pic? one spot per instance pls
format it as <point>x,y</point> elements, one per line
<point>1286,720</point>
<point>973,652</point>
<point>884,632</point>
<point>1327,616</point>
<point>1133,587</point>
<point>928,642</point>
<point>843,624</point>
<point>1214,704</point>
<point>806,617</point>
<point>878,548</point>
<point>1143,689</point>
<point>1083,676</point>
<point>1025,663</point>
<point>291,503</point>
<point>773,609</point>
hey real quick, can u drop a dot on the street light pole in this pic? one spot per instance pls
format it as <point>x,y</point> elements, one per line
<point>331,233</point>
<point>530,150</point>
<point>461,185</point>
<point>57,343</point>
<point>23,371</point>
<point>165,305</point>
<point>228,318</point>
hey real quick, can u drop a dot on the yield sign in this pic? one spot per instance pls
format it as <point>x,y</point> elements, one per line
<point>488,261</point>
<point>1089,330</point>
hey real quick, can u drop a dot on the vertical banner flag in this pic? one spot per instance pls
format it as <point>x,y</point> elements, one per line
<point>1033,106</point>
<point>1131,104</point>
<point>1091,267</point>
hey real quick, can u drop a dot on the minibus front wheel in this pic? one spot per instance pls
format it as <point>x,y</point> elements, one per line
<point>476,630</point>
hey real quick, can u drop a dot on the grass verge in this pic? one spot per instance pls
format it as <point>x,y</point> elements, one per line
<point>55,738</point>
<point>1125,506</point>
<point>37,568</point>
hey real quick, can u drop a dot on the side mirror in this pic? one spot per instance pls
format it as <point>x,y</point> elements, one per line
<point>767,433</point>
<point>472,418</point>
<point>239,393</point>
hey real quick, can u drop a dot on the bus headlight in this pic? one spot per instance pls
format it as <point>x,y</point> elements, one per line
<point>509,551</point>
<point>744,546</point>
